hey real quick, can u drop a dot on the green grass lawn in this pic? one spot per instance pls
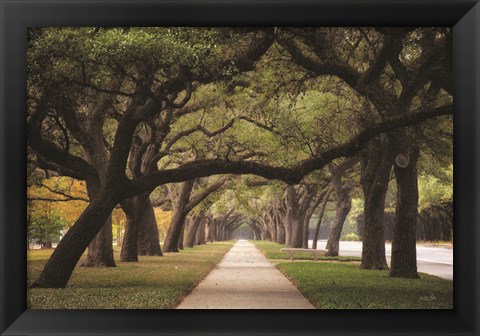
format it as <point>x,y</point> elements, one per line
<point>272,251</point>
<point>151,283</point>
<point>343,285</point>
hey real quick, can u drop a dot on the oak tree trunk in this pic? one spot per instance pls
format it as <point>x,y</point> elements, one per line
<point>182,236</point>
<point>59,267</point>
<point>295,219</point>
<point>404,253</point>
<point>376,165</point>
<point>192,231</point>
<point>306,222</point>
<point>343,206</point>
<point>100,250</point>
<point>148,239</point>
<point>174,232</point>
<point>210,228</point>
<point>200,238</point>
<point>134,208</point>
<point>280,233</point>
<point>320,217</point>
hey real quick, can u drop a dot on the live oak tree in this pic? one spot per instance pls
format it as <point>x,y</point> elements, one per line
<point>342,189</point>
<point>147,97</point>
<point>392,74</point>
<point>184,204</point>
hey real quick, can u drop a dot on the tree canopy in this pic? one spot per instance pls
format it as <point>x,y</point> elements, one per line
<point>129,110</point>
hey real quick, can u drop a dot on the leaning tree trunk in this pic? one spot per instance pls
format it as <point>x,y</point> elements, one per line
<point>257,235</point>
<point>174,232</point>
<point>272,225</point>
<point>100,249</point>
<point>148,239</point>
<point>175,229</point>
<point>210,228</point>
<point>306,225</point>
<point>200,238</point>
<point>294,218</point>
<point>343,206</point>
<point>279,220</point>
<point>320,217</point>
<point>192,231</point>
<point>288,229</point>
<point>375,174</point>
<point>280,233</point>
<point>404,253</point>
<point>59,267</point>
<point>310,209</point>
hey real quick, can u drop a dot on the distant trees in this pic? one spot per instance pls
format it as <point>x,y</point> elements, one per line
<point>45,229</point>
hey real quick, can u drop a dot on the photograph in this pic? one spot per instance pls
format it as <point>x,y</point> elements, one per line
<point>247,168</point>
<point>219,167</point>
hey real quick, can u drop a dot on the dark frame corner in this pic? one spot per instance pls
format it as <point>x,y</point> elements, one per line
<point>15,16</point>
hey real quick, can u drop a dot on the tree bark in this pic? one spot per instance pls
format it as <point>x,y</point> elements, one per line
<point>294,218</point>
<point>320,217</point>
<point>200,238</point>
<point>343,204</point>
<point>288,228</point>
<point>148,239</point>
<point>134,209</point>
<point>308,209</point>
<point>174,231</point>
<point>141,231</point>
<point>182,236</point>
<point>257,235</point>
<point>210,228</point>
<point>376,165</point>
<point>404,253</point>
<point>100,249</point>
<point>280,233</point>
<point>192,231</point>
<point>279,222</point>
<point>306,225</point>
<point>272,225</point>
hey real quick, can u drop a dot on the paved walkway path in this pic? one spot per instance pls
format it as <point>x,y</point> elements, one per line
<point>245,279</point>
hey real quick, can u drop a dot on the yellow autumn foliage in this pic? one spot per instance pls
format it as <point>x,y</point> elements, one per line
<point>163,221</point>
<point>47,198</point>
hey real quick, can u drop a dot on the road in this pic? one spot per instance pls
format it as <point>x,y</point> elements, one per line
<point>432,260</point>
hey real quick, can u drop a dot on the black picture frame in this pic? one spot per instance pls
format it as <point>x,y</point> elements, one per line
<point>16,16</point>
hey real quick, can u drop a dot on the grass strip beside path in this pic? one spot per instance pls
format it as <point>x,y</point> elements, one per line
<point>343,285</point>
<point>151,283</point>
<point>272,251</point>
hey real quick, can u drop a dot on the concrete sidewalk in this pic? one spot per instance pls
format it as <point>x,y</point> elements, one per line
<point>245,279</point>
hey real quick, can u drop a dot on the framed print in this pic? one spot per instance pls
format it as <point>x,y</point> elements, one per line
<point>96,20</point>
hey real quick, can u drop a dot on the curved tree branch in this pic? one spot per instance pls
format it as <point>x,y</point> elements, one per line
<point>202,168</point>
